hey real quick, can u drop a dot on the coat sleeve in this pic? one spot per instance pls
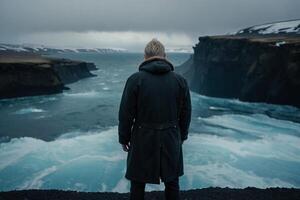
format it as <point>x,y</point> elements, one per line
<point>127,111</point>
<point>185,112</point>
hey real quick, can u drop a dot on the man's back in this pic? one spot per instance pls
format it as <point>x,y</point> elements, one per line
<point>154,112</point>
<point>159,92</point>
<point>154,118</point>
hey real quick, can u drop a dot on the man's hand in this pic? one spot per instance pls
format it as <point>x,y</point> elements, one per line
<point>126,147</point>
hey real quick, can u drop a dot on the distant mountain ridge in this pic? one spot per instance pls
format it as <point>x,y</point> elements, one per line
<point>41,49</point>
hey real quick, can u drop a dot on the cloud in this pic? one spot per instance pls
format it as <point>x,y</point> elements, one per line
<point>190,17</point>
<point>114,39</point>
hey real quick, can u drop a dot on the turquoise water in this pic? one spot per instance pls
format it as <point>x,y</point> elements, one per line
<point>71,138</point>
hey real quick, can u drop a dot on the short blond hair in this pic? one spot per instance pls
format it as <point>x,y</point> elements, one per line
<point>154,48</point>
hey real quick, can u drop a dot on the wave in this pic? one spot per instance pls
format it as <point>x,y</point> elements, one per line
<point>88,94</point>
<point>217,108</point>
<point>212,160</point>
<point>204,104</point>
<point>37,181</point>
<point>62,163</point>
<point>225,175</point>
<point>255,124</point>
<point>105,88</point>
<point>28,110</point>
<point>16,149</point>
<point>95,162</point>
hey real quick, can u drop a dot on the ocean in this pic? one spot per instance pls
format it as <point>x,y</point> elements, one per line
<point>69,140</point>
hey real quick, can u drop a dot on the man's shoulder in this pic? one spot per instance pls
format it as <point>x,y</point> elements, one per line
<point>133,76</point>
<point>178,75</point>
<point>137,76</point>
<point>180,78</point>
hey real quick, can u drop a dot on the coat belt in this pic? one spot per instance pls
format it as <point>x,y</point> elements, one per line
<point>157,126</point>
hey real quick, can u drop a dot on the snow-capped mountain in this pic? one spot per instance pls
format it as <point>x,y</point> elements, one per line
<point>46,50</point>
<point>291,27</point>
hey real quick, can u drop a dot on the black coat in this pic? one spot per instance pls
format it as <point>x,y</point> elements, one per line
<point>154,116</point>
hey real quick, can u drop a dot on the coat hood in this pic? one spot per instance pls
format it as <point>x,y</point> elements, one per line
<point>156,65</point>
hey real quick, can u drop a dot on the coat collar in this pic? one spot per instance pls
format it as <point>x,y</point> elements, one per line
<point>156,65</point>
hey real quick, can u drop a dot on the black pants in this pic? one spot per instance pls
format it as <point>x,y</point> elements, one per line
<point>137,190</point>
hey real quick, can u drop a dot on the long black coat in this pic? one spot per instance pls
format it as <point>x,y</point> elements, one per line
<point>154,116</point>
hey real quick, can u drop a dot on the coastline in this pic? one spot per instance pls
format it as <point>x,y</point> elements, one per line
<point>250,68</point>
<point>29,74</point>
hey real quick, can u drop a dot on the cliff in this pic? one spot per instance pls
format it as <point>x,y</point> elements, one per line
<point>250,68</point>
<point>71,71</point>
<point>203,194</point>
<point>27,74</point>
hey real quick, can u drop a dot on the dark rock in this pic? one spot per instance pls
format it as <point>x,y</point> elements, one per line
<point>71,71</point>
<point>217,193</point>
<point>27,74</point>
<point>256,69</point>
<point>91,66</point>
<point>26,79</point>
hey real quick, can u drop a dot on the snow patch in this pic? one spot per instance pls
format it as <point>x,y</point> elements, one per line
<point>278,44</point>
<point>285,27</point>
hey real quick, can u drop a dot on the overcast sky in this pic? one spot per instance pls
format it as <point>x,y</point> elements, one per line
<point>131,23</point>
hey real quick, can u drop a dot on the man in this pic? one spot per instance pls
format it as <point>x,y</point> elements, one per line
<point>154,117</point>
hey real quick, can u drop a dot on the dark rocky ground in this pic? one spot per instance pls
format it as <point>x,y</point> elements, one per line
<point>198,194</point>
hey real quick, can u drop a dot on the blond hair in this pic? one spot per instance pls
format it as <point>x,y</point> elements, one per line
<point>154,48</point>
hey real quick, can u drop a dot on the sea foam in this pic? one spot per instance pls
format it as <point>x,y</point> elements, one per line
<point>28,110</point>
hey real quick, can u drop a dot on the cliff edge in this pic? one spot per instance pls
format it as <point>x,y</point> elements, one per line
<point>211,193</point>
<point>27,74</point>
<point>250,67</point>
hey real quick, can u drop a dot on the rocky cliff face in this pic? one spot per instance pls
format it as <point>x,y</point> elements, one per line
<point>23,79</point>
<point>71,71</point>
<point>255,69</point>
<point>30,74</point>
